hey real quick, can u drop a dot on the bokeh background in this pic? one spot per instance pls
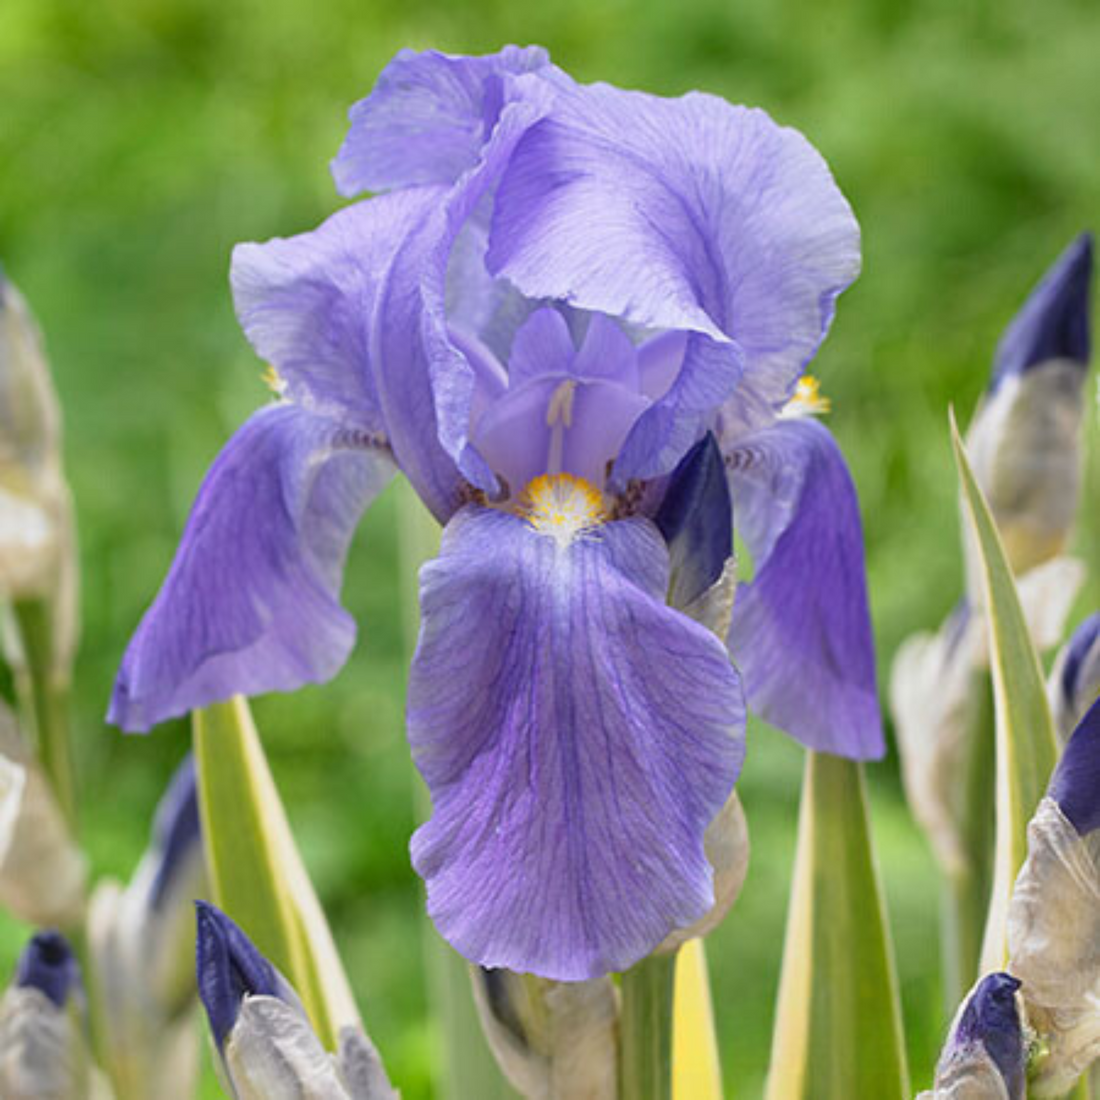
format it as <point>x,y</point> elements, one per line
<point>140,139</point>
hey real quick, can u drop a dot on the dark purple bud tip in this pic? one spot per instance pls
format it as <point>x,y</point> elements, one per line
<point>1054,321</point>
<point>992,1019</point>
<point>48,965</point>
<point>1078,652</point>
<point>696,520</point>
<point>228,969</point>
<point>1075,785</point>
<point>176,830</point>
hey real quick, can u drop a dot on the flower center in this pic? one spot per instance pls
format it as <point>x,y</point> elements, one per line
<point>562,506</point>
<point>807,400</point>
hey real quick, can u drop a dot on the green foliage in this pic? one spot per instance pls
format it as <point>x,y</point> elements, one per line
<point>1026,748</point>
<point>838,1028</point>
<point>142,138</point>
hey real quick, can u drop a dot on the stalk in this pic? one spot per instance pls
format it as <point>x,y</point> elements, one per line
<point>468,1067</point>
<point>966,892</point>
<point>44,691</point>
<point>645,1068</point>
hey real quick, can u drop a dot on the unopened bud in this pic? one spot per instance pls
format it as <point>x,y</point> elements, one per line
<point>1054,916</point>
<point>143,941</point>
<point>1024,443</point>
<point>1075,678</point>
<point>268,1048</point>
<point>43,1052</point>
<point>42,872</point>
<point>984,1056</point>
<point>552,1040</point>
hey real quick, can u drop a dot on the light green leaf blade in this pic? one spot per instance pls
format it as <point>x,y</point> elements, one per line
<point>256,873</point>
<point>1026,747</point>
<point>838,1030</point>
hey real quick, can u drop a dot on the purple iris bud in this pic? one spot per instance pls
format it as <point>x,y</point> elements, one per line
<point>49,965</point>
<point>1075,785</point>
<point>990,1019</point>
<point>176,829</point>
<point>1054,321</point>
<point>228,969</point>
<point>696,520</point>
<point>561,291</point>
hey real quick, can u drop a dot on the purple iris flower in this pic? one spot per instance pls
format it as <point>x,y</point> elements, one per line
<point>559,292</point>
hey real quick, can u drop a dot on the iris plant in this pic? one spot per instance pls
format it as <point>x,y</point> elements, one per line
<point>556,293</point>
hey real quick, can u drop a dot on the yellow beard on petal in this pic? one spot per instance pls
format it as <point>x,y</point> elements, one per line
<point>562,506</point>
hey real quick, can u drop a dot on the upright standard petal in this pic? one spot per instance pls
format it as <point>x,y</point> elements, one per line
<point>680,214</point>
<point>250,603</point>
<point>427,118</point>
<point>306,303</point>
<point>577,737</point>
<point>426,382</point>
<point>801,631</point>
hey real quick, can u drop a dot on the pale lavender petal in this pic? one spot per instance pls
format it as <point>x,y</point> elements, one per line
<point>542,345</point>
<point>607,353</point>
<point>659,362</point>
<point>513,437</point>
<point>427,387</point>
<point>251,602</point>
<point>428,118</point>
<point>801,631</point>
<point>577,737</point>
<point>306,303</point>
<point>680,214</point>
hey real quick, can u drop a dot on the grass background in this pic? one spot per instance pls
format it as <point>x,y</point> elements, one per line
<point>140,139</point>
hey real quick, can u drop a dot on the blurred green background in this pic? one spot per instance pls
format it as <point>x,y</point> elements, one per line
<point>140,139</point>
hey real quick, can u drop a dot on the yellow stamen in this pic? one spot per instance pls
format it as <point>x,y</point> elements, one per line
<point>807,400</point>
<point>274,380</point>
<point>562,506</point>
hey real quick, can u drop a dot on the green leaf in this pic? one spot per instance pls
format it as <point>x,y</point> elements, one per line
<point>256,873</point>
<point>838,1030</point>
<point>1026,747</point>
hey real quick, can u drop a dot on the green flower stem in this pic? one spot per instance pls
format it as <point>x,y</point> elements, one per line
<point>645,1059</point>
<point>468,1068</point>
<point>966,892</point>
<point>838,1032</point>
<point>45,698</point>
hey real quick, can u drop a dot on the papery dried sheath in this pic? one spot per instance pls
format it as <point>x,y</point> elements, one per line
<point>1054,915</point>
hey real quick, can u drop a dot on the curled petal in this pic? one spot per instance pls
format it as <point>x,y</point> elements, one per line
<point>250,603</point>
<point>577,737</point>
<point>801,631</point>
<point>1075,785</point>
<point>426,381</point>
<point>428,118</point>
<point>307,302</point>
<point>680,214</point>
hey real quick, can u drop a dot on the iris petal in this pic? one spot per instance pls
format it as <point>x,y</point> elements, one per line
<point>306,303</point>
<point>577,737</point>
<point>250,603</point>
<point>427,118</point>
<point>734,230</point>
<point>801,631</point>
